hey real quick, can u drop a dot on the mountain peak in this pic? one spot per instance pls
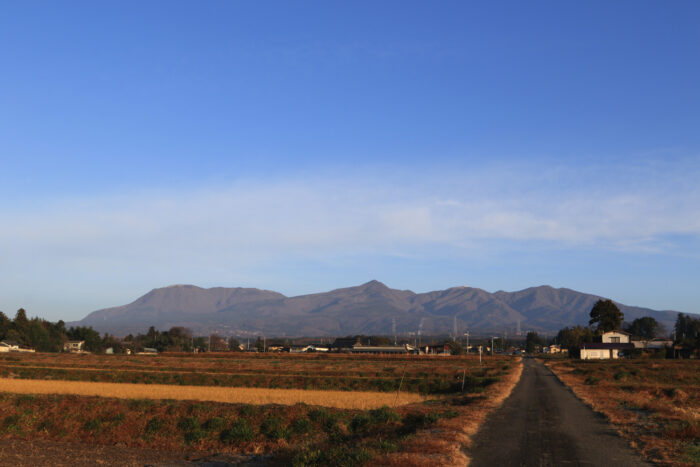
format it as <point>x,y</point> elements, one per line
<point>374,283</point>
<point>370,308</point>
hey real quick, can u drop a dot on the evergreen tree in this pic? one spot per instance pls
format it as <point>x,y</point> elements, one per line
<point>606,315</point>
<point>646,328</point>
<point>532,340</point>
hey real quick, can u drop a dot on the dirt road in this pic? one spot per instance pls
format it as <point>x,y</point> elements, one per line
<point>543,424</point>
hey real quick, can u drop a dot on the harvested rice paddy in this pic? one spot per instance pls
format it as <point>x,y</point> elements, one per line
<point>362,400</point>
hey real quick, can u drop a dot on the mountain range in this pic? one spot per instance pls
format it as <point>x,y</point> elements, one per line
<point>371,308</point>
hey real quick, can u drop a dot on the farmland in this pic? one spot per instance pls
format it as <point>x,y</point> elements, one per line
<point>653,403</point>
<point>339,409</point>
<point>323,372</point>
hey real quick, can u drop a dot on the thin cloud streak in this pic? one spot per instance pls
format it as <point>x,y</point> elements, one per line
<point>266,220</point>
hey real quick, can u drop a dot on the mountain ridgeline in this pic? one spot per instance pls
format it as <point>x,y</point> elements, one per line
<point>371,308</point>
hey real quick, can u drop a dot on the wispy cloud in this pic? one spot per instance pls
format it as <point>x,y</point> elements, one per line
<point>170,235</point>
<point>350,214</point>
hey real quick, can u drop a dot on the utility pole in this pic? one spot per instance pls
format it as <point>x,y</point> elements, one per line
<point>492,338</point>
<point>466,349</point>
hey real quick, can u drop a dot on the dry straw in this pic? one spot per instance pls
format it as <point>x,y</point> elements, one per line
<point>338,399</point>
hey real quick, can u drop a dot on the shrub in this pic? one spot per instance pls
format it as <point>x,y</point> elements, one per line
<point>302,426</point>
<point>414,421</point>
<point>360,423</point>
<point>214,423</point>
<point>192,430</point>
<point>692,453</point>
<point>94,425</point>
<point>188,424</point>
<point>336,456</point>
<point>194,435</point>
<point>248,410</point>
<point>11,423</point>
<point>386,446</point>
<point>25,399</point>
<point>384,415</point>
<point>274,428</point>
<point>321,415</point>
<point>591,380</point>
<point>239,431</point>
<point>153,426</point>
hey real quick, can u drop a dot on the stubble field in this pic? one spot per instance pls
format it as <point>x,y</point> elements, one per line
<point>301,409</point>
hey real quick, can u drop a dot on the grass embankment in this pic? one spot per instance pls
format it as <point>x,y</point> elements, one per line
<point>653,403</point>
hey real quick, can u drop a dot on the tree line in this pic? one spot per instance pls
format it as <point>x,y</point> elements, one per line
<point>45,336</point>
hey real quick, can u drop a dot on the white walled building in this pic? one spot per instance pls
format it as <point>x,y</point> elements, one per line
<point>613,345</point>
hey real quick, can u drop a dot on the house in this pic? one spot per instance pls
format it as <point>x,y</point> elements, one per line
<point>8,346</point>
<point>11,346</point>
<point>613,344</point>
<point>384,349</point>
<point>616,337</point>
<point>554,348</point>
<point>73,346</point>
<point>439,349</point>
<point>653,344</point>
<point>307,348</point>
<point>345,344</point>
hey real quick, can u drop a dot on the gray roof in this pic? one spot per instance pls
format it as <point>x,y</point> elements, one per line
<point>606,345</point>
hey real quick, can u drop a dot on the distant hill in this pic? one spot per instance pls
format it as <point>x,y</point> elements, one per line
<point>370,308</point>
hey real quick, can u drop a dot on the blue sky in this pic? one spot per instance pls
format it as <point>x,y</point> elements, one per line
<point>305,146</point>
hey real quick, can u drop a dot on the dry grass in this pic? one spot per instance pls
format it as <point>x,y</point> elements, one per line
<point>261,396</point>
<point>445,443</point>
<point>654,404</point>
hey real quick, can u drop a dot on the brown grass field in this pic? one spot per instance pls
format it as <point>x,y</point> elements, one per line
<point>655,404</point>
<point>327,417</point>
<point>340,399</point>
